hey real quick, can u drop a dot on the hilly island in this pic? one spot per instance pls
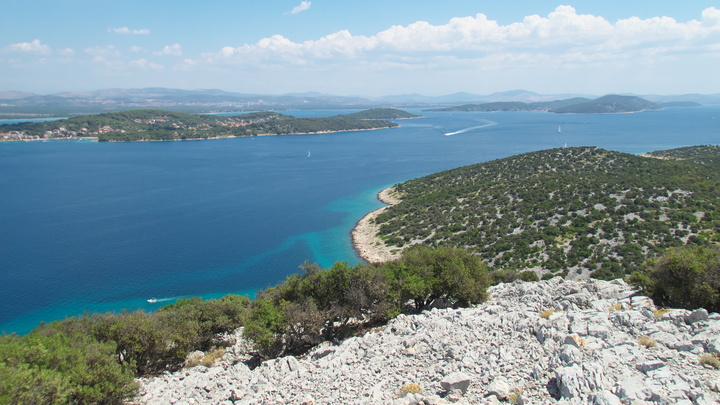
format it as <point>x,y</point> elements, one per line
<point>571,211</point>
<point>160,125</point>
<point>610,104</point>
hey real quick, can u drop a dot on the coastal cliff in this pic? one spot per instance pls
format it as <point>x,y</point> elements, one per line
<point>554,341</point>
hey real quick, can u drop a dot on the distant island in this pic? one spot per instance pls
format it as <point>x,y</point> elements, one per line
<point>161,125</point>
<point>578,211</point>
<point>380,114</point>
<point>611,104</point>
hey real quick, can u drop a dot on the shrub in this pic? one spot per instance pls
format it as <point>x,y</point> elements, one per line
<point>49,366</point>
<point>686,277</point>
<point>266,327</point>
<point>615,307</point>
<point>423,275</point>
<point>529,275</point>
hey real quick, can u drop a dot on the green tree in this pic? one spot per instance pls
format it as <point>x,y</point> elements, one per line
<point>423,275</point>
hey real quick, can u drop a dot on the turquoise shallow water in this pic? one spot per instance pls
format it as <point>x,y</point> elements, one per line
<point>104,227</point>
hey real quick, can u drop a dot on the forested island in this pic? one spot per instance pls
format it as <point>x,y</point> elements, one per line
<point>379,114</point>
<point>160,125</point>
<point>610,104</point>
<point>585,211</point>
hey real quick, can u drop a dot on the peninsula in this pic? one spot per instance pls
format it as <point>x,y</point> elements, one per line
<point>160,125</point>
<point>568,212</point>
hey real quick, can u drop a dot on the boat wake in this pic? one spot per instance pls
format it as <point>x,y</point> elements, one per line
<point>154,300</point>
<point>487,124</point>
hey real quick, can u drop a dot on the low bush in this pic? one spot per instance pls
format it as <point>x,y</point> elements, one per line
<point>685,277</point>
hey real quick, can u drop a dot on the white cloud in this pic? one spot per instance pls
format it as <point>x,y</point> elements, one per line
<point>66,51</point>
<point>35,47</point>
<point>136,48</point>
<point>562,36</point>
<point>103,54</point>
<point>304,5</point>
<point>144,64</point>
<point>174,50</point>
<point>126,30</point>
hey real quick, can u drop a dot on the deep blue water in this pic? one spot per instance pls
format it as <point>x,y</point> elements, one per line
<point>105,226</point>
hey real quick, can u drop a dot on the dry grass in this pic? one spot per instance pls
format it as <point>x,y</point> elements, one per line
<point>660,312</point>
<point>209,358</point>
<point>616,307</point>
<point>710,359</point>
<point>646,341</point>
<point>514,396</point>
<point>410,389</point>
<point>580,341</point>
<point>546,313</point>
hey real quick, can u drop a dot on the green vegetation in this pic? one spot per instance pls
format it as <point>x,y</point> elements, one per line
<point>327,304</point>
<point>703,154</point>
<point>94,358</point>
<point>159,125</point>
<point>604,105</point>
<point>379,114</point>
<point>686,277</point>
<point>582,209</point>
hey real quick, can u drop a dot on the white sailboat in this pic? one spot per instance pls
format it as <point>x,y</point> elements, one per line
<point>559,129</point>
<point>308,154</point>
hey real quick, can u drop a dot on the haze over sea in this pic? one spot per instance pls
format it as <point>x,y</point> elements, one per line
<point>106,226</point>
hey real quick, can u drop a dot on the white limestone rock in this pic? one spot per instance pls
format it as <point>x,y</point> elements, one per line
<point>456,381</point>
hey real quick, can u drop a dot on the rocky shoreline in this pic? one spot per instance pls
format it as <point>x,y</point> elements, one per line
<point>364,235</point>
<point>550,342</point>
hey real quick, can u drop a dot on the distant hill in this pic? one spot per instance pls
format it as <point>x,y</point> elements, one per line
<point>496,106</point>
<point>585,209</point>
<point>576,105</point>
<point>379,114</point>
<point>702,155</point>
<point>680,104</point>
<point>611,104</point>
<point>16,104</point>
<point>154,125</point>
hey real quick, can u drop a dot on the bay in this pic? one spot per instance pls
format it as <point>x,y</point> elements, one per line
<point>106,226</point>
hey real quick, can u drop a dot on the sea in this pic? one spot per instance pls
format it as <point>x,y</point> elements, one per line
<point>106,227</point>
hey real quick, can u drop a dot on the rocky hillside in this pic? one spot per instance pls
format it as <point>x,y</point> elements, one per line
<point>555,341</point>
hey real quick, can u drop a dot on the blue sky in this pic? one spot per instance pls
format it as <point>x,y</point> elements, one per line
<point>367,48</point>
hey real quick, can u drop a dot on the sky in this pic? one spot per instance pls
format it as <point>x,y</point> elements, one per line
<point>362,48</point>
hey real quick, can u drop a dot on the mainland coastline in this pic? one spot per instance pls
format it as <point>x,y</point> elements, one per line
<point>367,244</point>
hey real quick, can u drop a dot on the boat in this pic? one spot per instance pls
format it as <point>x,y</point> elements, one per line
<point>559,129</point>
<point>308,154</point>
<point>152,300</point>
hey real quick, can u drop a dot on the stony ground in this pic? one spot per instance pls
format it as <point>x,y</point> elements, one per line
<point>601,345</point>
